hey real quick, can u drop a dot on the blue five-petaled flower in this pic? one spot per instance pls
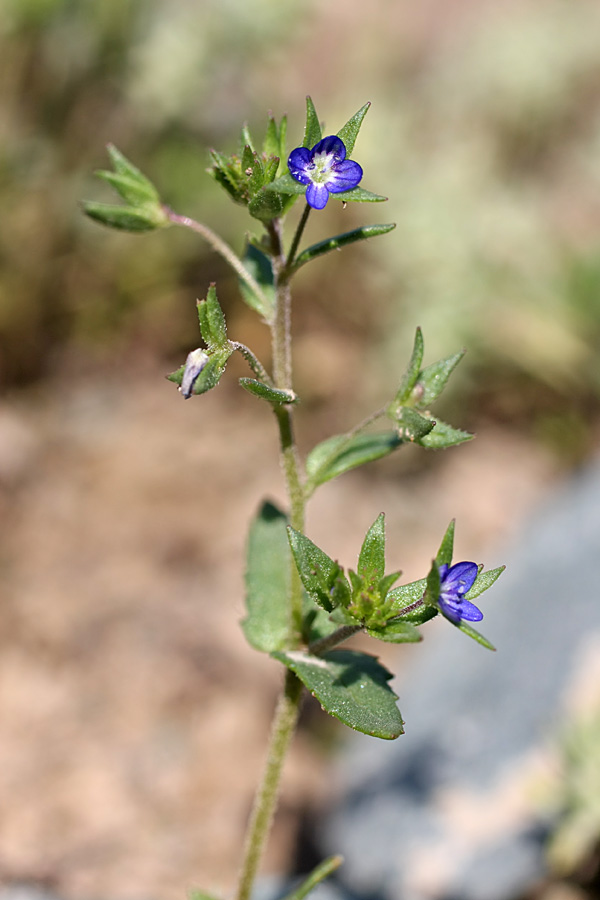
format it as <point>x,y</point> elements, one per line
<point>324,169</point>
<point>455,582</point>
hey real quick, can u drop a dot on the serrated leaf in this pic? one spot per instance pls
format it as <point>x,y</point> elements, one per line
<point>409,379</point>
<point>259,266</point>
<point>340,454</point>
<point>131,190</point>
<point>125,218</point>
<point>484,581</point>
<point>312,129</point>
<point>371,561</point>
<point>396,632</point>
<point>351,686</point>
<point>321,576</point>
<point>212,321</point>
<point>359,195</point>
<point>341,240</point>
<point>475,635</point>
<point>267,625</point>
<point>285,184</point>
<point>443,436</point>
<point>446,551</point>
<point>266,392</point>
<point>349,132</point>
<point>412,426</point>
<point>433,379</point>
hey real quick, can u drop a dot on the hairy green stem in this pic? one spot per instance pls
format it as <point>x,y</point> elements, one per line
<point>282,731</point>
<point>254,363</point>
<point>222,248</point>
<point>332,640</point>
<point>297,237</point>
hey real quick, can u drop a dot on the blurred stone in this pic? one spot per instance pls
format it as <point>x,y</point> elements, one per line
<point>452,809</point>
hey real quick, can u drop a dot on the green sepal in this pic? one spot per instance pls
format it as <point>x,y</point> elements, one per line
<point>341,240</point>
<point>433,379</point>
<point>409,379</point>
<point>323,579</point>
<point>285,184</point>
<point>396,631</point>
<point>351,686</point>
<point>386,583</point>
<point>312,129</point>
<point>358,195</point>
<point>318,874</point>
<point>412,426</point>
<point>267,624</point>
<point>271,143</point>
<point>433,586</point>
<point>405,595</point>
<point>265,205</point>
<point>443,436</point>
<point>371,560</point>
<point>446,551</point>
<point>210,375</point>
<point>125,218</point>
<point>127,169</point>
<point>340,454</point>
<point>226,173</point>
<point>132,191</point>
<point>349,132</point>
<point>266,392</point>
<point>475,635</point>
<point>212,321</point>
<point>259,266</point>
<point>484,581</point>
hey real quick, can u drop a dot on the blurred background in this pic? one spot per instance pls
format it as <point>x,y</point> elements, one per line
<point>134,717</point>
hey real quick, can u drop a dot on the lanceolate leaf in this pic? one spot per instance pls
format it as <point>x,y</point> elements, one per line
<point>371,562</point>
<point>285,184</point>
<point>319,573</point>
<point>126,218</point>
<point>212,321</point>
<point>433,379</point>
<point>351,686</point>
<point>396,632</point>
<point>267,624</point>
<point>444,554</point>
<point>443,436</point>
<point>359,195</point>
<point>483,581</point>
<point>409,379</point>
<point>340,454</point>
<point>312,130</point>
<point>341,240</point>
<point>349,132</point>
<point>475,635</point>
<point>266,392</point>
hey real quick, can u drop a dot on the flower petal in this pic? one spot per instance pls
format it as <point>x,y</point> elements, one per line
<point>298,162</point>
<point>451,609</point>
<point>317,195</point>
<point>460,577</point>
<point>332,145</point>
<point>344,176</point>
<point>469,612</point>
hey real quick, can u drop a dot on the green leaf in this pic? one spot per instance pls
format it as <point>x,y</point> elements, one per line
<point>444,435</point>
<point>285,184</point>
<point>319,873</point>
<point>397,631</point>
<point>131,190</point>
<point>351,686</point>
<point>339,454</point>
<point>475,635</point>
<point>322,578</point>
<point>212,321</point>
<point>371,561</point>
<point>267,624</point>
<point>444,554</point>
<point>359,195</point>
<point>281,153</point>
<point>349,132</point>
<point>317,622</point>
<point>412,426</point>
<point>341,240</point>
<point>246,140</point>
<point>433,379</point>
<point>195,894</point>
<point>266,392</point>
<point>484,581</point>
<point>271,145</point>
<point>312,130</point>
<point>409,379</point>
<point>432,591</point>
<point>125,218</point>
<point>126,168</point>
<point>406,594</point>
<point>259,266</point>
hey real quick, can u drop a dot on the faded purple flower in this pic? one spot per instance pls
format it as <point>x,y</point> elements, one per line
<point>324,169</point>
<point>455,582</point>
<point>194,363</point>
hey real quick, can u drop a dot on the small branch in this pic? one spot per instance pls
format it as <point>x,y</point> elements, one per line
<point>332,640</point>
<point>220,247</point>
<point>297,237</point>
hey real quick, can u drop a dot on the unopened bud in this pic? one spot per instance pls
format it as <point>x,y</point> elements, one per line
<point>195,362</point>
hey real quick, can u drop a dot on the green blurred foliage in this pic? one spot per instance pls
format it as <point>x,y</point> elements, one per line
<point>484,132</point>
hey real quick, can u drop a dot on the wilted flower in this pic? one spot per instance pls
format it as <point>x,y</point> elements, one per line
<point>324,169</point>
<point>455,582</point>
<point>194,363</point>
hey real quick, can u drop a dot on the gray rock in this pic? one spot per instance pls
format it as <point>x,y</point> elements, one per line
<point>445,811</point>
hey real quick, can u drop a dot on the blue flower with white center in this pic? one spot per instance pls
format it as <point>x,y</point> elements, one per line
<point>324,169</point>
<point>455,582</point>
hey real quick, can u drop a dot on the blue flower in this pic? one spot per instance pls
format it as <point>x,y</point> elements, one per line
<point>455,582</point>
<point>324,169</point>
